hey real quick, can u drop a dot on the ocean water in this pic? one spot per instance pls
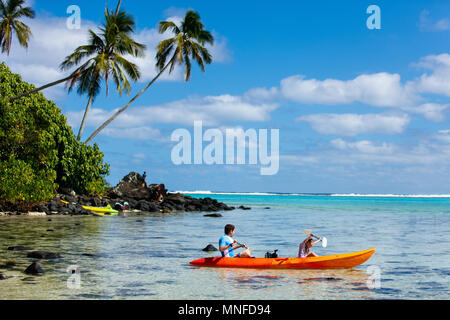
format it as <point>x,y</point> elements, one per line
<point>147,256</point>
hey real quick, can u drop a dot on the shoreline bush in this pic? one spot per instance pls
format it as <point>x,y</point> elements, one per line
<point>39,153</point>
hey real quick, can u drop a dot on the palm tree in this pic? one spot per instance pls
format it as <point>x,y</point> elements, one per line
<point>188,42</point>
<point>72,76</point>
<point>10,13</point>
<point>106,60</point>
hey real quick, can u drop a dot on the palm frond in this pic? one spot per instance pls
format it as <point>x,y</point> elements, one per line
<point>166,25</point>
<point>130,68</point>
<point>23,33</point>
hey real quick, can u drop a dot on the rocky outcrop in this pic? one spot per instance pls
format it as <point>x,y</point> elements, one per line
<point>131,187</point>
<point>131,190</point>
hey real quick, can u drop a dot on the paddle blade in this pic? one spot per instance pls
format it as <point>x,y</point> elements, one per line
<point>324,242</point>
<point>307,232</point>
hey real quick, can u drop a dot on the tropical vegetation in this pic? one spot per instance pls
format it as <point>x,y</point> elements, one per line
<point>39,154</point>
<point>187,42</point>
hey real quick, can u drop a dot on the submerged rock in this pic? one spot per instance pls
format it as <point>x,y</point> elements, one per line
<point>210,248</point>
<point>8,265</point>
<point>213,215</point>
<point>18,248</point>
<point>34,268</point>
<point>43,255</point>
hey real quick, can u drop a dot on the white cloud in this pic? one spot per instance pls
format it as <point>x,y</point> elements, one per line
<point>363,146</point>
<point>438,82</point>
<point>263,94</point>
<point>443,136</point>
<point>354,124</point>
<point>52,41</point>
<point>431,111</point>
<point>212,110</point>
<point>380,89</point>
<point>424,155</point>
<point>136,133</point>
<point>426,24</point>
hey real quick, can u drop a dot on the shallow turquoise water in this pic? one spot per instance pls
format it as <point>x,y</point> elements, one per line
<point>147,256</point>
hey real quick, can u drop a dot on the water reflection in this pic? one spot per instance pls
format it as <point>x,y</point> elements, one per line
<point>304,284</point>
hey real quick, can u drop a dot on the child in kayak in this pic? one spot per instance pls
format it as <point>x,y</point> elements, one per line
<point>303,251</point>
<point>227,245</point>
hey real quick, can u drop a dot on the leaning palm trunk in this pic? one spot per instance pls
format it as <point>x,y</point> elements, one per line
<point>104,125</point>
<point>42,88</point>
<point>86,112</point>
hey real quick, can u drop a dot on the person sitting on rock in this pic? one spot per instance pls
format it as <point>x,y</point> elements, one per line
<point>227,245</point>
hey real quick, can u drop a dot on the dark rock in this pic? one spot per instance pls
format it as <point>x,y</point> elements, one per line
<point>18,248</point>
<point>144,206</point>
<point>50,230</point>
<point>210,248</point>
<point>40,208</point>
<point>34,268</point>
<point>43,255</point>
<point>176,198</point>
<point>131,187</point>
<point>267,208</point>
<point>8,265</point>
<point>71,199</point>
<point>67,192</point>
<point>88,255</point>
<point>245,208</point>
<point>214,215</point>
<point>153,207</point>
<point>2,277</point>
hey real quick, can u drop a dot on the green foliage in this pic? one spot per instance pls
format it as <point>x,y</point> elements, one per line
<point>38,150</point>
<point>21,185</point>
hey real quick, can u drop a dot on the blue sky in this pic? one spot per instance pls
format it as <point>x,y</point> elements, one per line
<point>359,110</point>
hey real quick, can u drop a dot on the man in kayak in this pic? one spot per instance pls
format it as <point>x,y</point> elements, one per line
<point>306,245</point>
<point>227,245</point>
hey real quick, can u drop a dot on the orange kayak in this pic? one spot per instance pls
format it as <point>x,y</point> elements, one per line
<point>341,261</point>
